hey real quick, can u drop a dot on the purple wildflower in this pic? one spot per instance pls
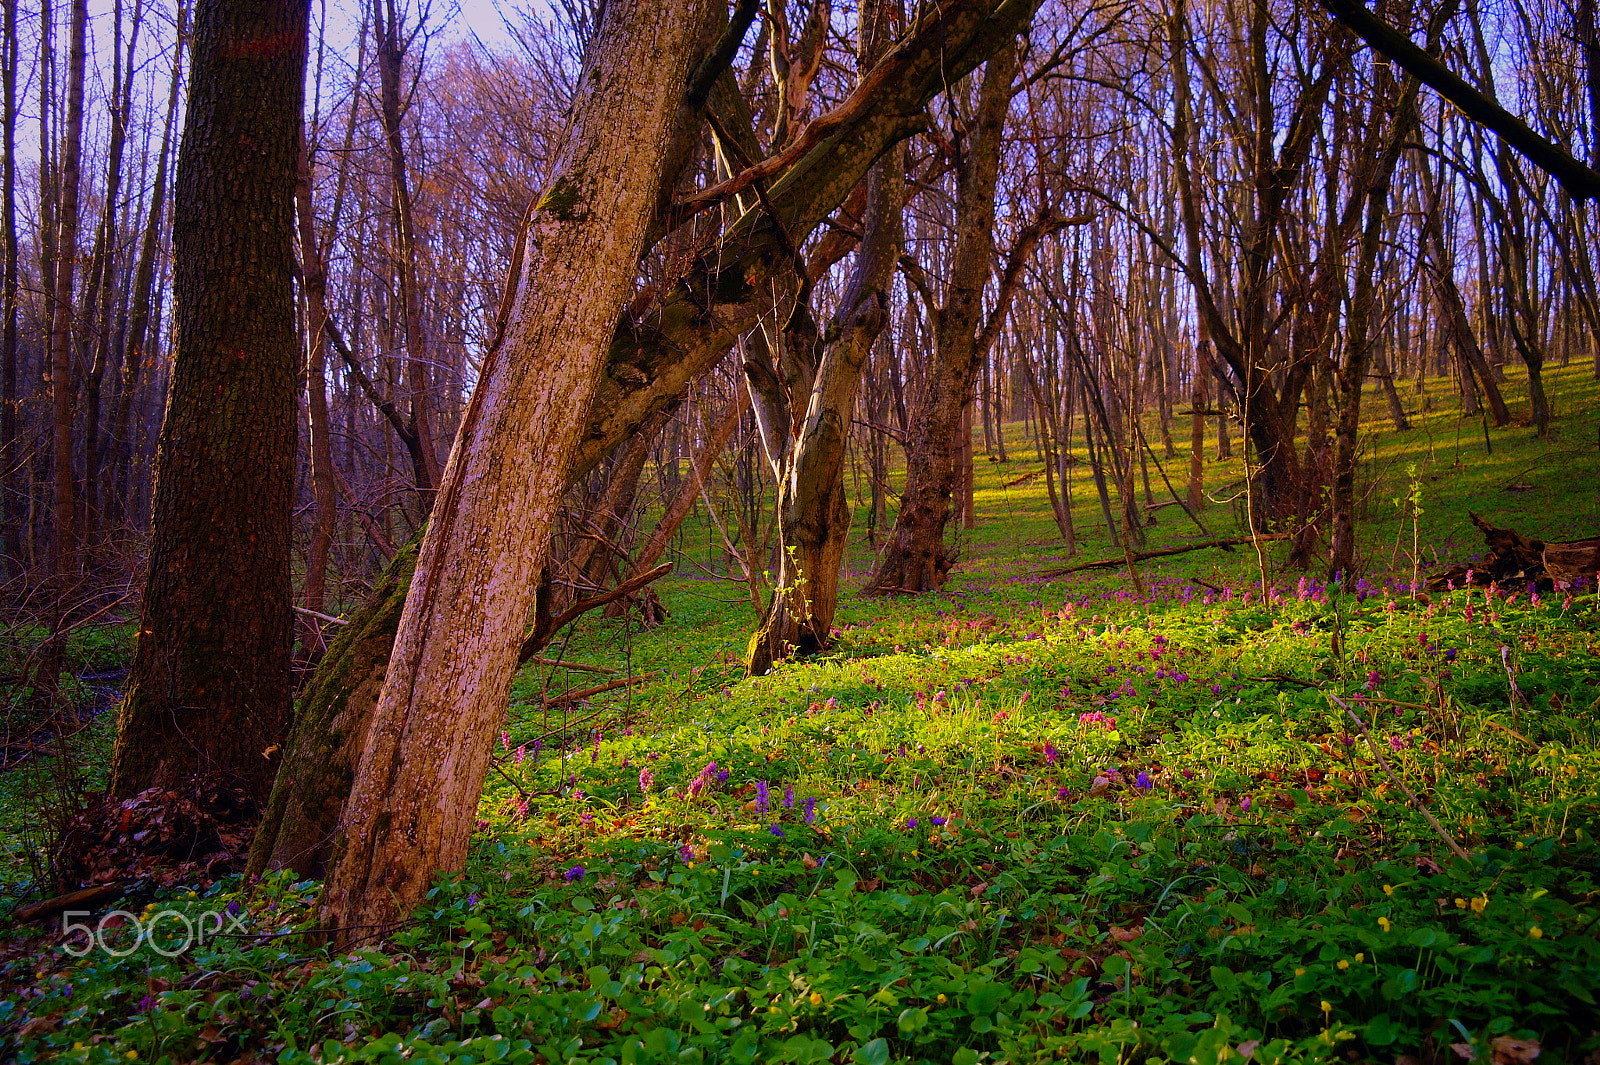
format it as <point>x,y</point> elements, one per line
<point>702,780</point>
<point>647,780</point>
<point>146,1003</point>
<point>776,831</point>
<point>1244,803</point>
<point>911,822</point>
<point>1050,754</point>
<point>938,822</point>
<point>685,853</point>
<point>763,802</point>
<point>811,811</point>
<point>788,796</point>
<point>575,874</point>
<point>472,900</point>
<point>505,740</point>
<point>1142,781</point>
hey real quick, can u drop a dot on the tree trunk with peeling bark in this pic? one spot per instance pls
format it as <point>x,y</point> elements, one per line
<point>417,786</point>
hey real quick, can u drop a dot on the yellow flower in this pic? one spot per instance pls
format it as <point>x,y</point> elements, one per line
<point>1344,963</point>
<point>1388,889</point>
<point>816,999</point>
<point>1361,958</point>
<point>1461,904</point>
<point>1300,970</point>
<point>132,1055</point>
<point>1383,923</point>
<point>1327,1007</point>
<point>1480,903</point>
<point>1536,932</point>
<point>941,1000</point>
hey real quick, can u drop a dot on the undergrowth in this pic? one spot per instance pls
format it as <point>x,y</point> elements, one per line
<point>1021,820</point>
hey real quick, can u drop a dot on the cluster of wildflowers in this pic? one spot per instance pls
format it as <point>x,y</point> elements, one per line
<point>703,780</point>
<point>1095,717</point>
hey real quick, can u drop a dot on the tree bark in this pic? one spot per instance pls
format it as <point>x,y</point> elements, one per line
<point>209,693</point>
<point>651,359</point>
<point>915,557</point>
<point>420,776</point>
<point>12,506</point>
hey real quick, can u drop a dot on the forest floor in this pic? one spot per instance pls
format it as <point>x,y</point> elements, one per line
<point>1024,819</point>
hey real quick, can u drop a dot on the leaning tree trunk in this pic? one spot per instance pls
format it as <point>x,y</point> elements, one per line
<point>915,557</point>
<point>418,782</point>
<point>210,692</point>
<point>651,361</point>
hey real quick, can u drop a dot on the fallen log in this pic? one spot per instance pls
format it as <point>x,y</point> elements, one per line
<point>1227,543</point>
<point>83,898</point>
<point>1512,557</point>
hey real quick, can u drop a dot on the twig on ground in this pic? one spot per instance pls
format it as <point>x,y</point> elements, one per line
<point>620,682</point>
<point>1165,552</point>
<point>1394,778</point>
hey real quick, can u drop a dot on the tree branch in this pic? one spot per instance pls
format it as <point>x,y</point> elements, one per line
<point>1580,181</point>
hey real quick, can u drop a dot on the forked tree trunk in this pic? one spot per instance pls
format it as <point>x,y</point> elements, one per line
<point>419,779</point>
<point>209,693</point>
<point>813,506</point>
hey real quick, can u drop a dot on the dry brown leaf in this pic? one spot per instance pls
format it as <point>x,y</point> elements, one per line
<point>1505,1050</point>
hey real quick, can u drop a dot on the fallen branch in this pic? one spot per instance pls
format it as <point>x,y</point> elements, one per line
<point>1394,778</point>
<point>83,897</point>
<point>1165,552</point>
<point>318,614</point>
<point>1025,478</point>
<point>570,665</point>
<point>1514,732</point>
<point>620,682</point>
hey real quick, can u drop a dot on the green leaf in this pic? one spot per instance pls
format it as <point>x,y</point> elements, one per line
<point>873,1053</point>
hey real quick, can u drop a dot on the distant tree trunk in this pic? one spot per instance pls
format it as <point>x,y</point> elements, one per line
<point>209,693</point>
<point>102,286</point>
<point>12,505</point>
<point>1376,170</point>
<point>915,557</point>
<point>141,299</point>
<point>314,283</point>
<point>63,310</point>
<point>392,45</point>
<point>418,783</point>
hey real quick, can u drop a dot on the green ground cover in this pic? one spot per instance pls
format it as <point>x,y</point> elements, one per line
<point>1021,820</point>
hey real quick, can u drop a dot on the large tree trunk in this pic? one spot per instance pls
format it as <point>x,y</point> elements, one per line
<point>651,361</point>
<point>419,779</point>
<point>915,557</point>
<point>330,729</point>
<point>209,693</point>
